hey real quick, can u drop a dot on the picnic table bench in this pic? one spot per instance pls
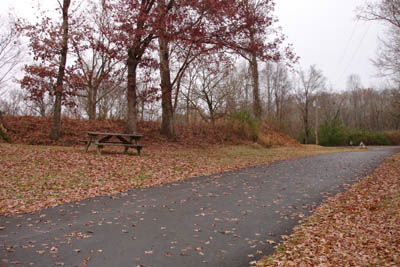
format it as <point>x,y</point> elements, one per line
<point>100,139</point>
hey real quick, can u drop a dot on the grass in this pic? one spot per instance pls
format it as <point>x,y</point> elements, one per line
<point>36,177</point>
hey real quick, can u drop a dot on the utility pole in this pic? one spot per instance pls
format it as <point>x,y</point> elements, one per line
<point>316,122</point>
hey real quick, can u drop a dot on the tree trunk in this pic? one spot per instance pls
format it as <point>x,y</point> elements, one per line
<point>257,109</point>
<point>212,115</point>
<point>92,103</point>
<point>188,107</point>
<point>167,125</point>
<point>131,125</point>
<point>56,124</point>
<point>42,108</point>
<point>4,130</point>
<point>142,106</point>
<point>306,126</point>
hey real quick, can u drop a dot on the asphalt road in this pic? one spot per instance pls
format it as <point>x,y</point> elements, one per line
<point>228,219</point>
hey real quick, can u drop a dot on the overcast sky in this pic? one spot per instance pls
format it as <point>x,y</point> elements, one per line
<point>323,32</point>
<point>326,33</point>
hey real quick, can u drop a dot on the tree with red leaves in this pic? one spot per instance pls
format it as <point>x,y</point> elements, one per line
<point>172,28</point>
<point>167,124</point>
<point>251,34</point>
<point>185,39</point>
<point>56,125</point>
<point>241,26</point>
<point>49,46</point>
<point>245,27</point>
<point>95,62</point>
<point>99,66</point>
<point>128,32</point>
<point>139,23</point>
<point>133,31</point>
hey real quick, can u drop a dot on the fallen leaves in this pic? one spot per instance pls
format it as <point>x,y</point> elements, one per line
<point>36,177</point>
<point>360,227</point>
<point>53,250</point>
<point>85,261</point>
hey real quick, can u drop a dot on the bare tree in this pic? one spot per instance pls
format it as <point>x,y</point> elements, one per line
<point>331,105</point>
<point>387,60</point>
<point>188,83</point>
<point>268,78</point>
<point>12,105</point>
<point>99,72</point>
<point>240,83</point>
<point>208,91</point>
<point>395,109</point>
<point>388,12</point>
<point>354,87</point>
<point>310,82</point>
<point>277,84</point>
<point>10,50</point>
<point>41,106</point>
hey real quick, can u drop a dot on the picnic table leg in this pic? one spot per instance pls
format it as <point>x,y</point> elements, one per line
<point>126,150</point>
<point>99,149</point>
<point>88,143</point>
<point>137,143</point>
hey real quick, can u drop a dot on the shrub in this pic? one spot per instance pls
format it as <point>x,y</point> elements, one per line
<point>243,125</point>
<point>332,133</point>
<point>368,137</point>
<point>393,137</point>
<point>302,135</point>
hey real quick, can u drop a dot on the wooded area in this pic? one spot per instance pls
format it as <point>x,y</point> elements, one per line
<point>149,60</point>
<point>207,85</point>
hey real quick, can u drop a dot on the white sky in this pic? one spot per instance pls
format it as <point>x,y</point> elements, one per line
<point>326,33</point>
<point>323,32</point>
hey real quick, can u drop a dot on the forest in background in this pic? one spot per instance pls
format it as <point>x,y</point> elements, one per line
<point>147,61</point>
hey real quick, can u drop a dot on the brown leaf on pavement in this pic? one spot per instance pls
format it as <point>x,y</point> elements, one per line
<point>360,227</point>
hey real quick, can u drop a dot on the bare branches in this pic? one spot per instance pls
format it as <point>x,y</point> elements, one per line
<point>309,83</point>
<point>388,58</point>
<point>10,50</point>
<point>384,10</point>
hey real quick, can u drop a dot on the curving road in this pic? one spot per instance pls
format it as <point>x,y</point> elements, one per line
<point>228,219</point>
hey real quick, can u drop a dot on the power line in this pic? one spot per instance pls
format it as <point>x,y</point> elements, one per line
<point>355,53</point>
<point>348,43</point>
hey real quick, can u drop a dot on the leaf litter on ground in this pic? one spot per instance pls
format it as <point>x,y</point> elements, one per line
<point>360,227</point>
<point>36,177</point>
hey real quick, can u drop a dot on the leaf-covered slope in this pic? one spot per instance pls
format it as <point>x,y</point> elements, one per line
<point>35,131</point>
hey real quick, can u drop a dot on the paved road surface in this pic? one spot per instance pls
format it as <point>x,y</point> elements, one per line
<point>218,220</point>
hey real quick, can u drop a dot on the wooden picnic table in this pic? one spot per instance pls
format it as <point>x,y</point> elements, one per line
<point>100,139</point>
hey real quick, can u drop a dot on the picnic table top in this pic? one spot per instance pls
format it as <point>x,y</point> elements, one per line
<point>114,134</point>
